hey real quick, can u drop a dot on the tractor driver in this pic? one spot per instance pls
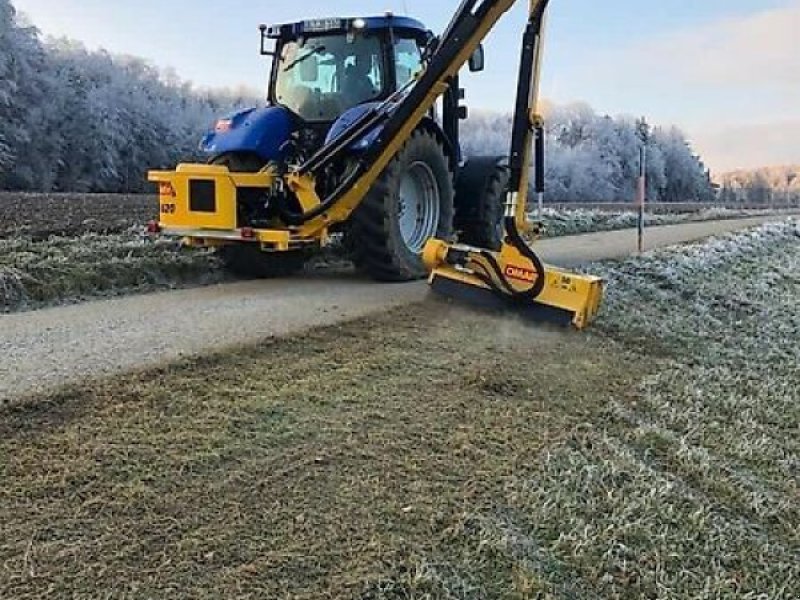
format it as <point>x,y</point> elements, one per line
<point>358,86</point>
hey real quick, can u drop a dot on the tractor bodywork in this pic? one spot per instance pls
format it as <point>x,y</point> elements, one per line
<point>320,85</point>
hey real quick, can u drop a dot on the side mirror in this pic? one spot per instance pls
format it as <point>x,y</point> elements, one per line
<point>309,70</point>
<point>264,40</point>
<point>477,62</point>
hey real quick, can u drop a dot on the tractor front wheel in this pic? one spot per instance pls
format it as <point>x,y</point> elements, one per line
<point>480,202</point>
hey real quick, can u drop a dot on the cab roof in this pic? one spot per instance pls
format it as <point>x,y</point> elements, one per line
<point>339,24</point>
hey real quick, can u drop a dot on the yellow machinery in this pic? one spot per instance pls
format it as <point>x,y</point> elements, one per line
<point>385,159</point>
<point>515,276</point>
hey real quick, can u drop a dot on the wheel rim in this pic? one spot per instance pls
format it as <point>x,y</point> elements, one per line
<point>419,206</point>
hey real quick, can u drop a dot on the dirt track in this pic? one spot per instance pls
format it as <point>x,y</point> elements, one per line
<point>45,349</point>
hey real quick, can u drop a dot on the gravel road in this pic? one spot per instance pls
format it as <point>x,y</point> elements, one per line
<point>574,250</point>
<point>42,350</point>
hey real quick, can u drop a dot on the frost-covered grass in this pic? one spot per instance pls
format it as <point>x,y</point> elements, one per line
<point>36,273</point>
<point>561,222</point>
<point>689,487</point>
<point>729,288</point>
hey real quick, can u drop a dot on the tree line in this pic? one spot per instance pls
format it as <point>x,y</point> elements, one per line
<point>776,186</point>
<point>592,157</point>
<point>76,120</point>
<point>88,121</point>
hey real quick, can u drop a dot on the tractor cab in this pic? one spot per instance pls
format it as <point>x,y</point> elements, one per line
<point>325,73</point>
<point>325,67</point>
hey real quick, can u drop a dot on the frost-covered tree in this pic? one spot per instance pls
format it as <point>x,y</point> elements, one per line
<point>596,158</point>
<point>71,119</point>
<point>727,195</point>
<point>7,85</point>
<point>758,190</point>
<point>23,86</point>
<point>687,179</point>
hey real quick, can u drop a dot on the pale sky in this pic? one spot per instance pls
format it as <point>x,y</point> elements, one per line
<point>725,71</point>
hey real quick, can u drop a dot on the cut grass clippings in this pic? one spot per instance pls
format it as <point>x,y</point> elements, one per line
<point>435,452</point>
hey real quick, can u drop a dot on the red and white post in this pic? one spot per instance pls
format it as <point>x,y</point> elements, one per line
<point>641,195</point>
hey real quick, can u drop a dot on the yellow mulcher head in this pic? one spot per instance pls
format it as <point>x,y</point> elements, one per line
<point>513,279</point>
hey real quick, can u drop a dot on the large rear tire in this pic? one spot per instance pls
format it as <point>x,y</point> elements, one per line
<point>247,259</point>
<point>480,202</point>
<point>410,203</point>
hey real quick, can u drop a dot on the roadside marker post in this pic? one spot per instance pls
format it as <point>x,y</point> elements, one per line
<point>641,196</point>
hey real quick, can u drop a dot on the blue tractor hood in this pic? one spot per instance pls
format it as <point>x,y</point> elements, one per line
<point>260,131</point>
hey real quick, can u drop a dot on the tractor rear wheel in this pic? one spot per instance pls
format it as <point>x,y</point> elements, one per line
<point>410,203</point>
<point>247,259</point>
<point>480,202</point>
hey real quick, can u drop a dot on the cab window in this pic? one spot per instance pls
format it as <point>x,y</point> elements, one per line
<point>319,78</point>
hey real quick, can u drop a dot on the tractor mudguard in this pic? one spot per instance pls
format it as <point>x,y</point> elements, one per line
<point>344,122</point>
<point>261,131</point>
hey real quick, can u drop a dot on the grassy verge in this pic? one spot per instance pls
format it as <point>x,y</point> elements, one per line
<point>559,223</point>
<point>332,464</point>
<point>437,453</point>
<point>37,273</point>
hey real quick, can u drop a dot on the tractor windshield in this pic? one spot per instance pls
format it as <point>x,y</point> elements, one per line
<point>320,77</point>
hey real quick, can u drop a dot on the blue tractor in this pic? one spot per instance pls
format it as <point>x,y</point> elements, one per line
<point>326,75</point>
<point>360,137</point>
